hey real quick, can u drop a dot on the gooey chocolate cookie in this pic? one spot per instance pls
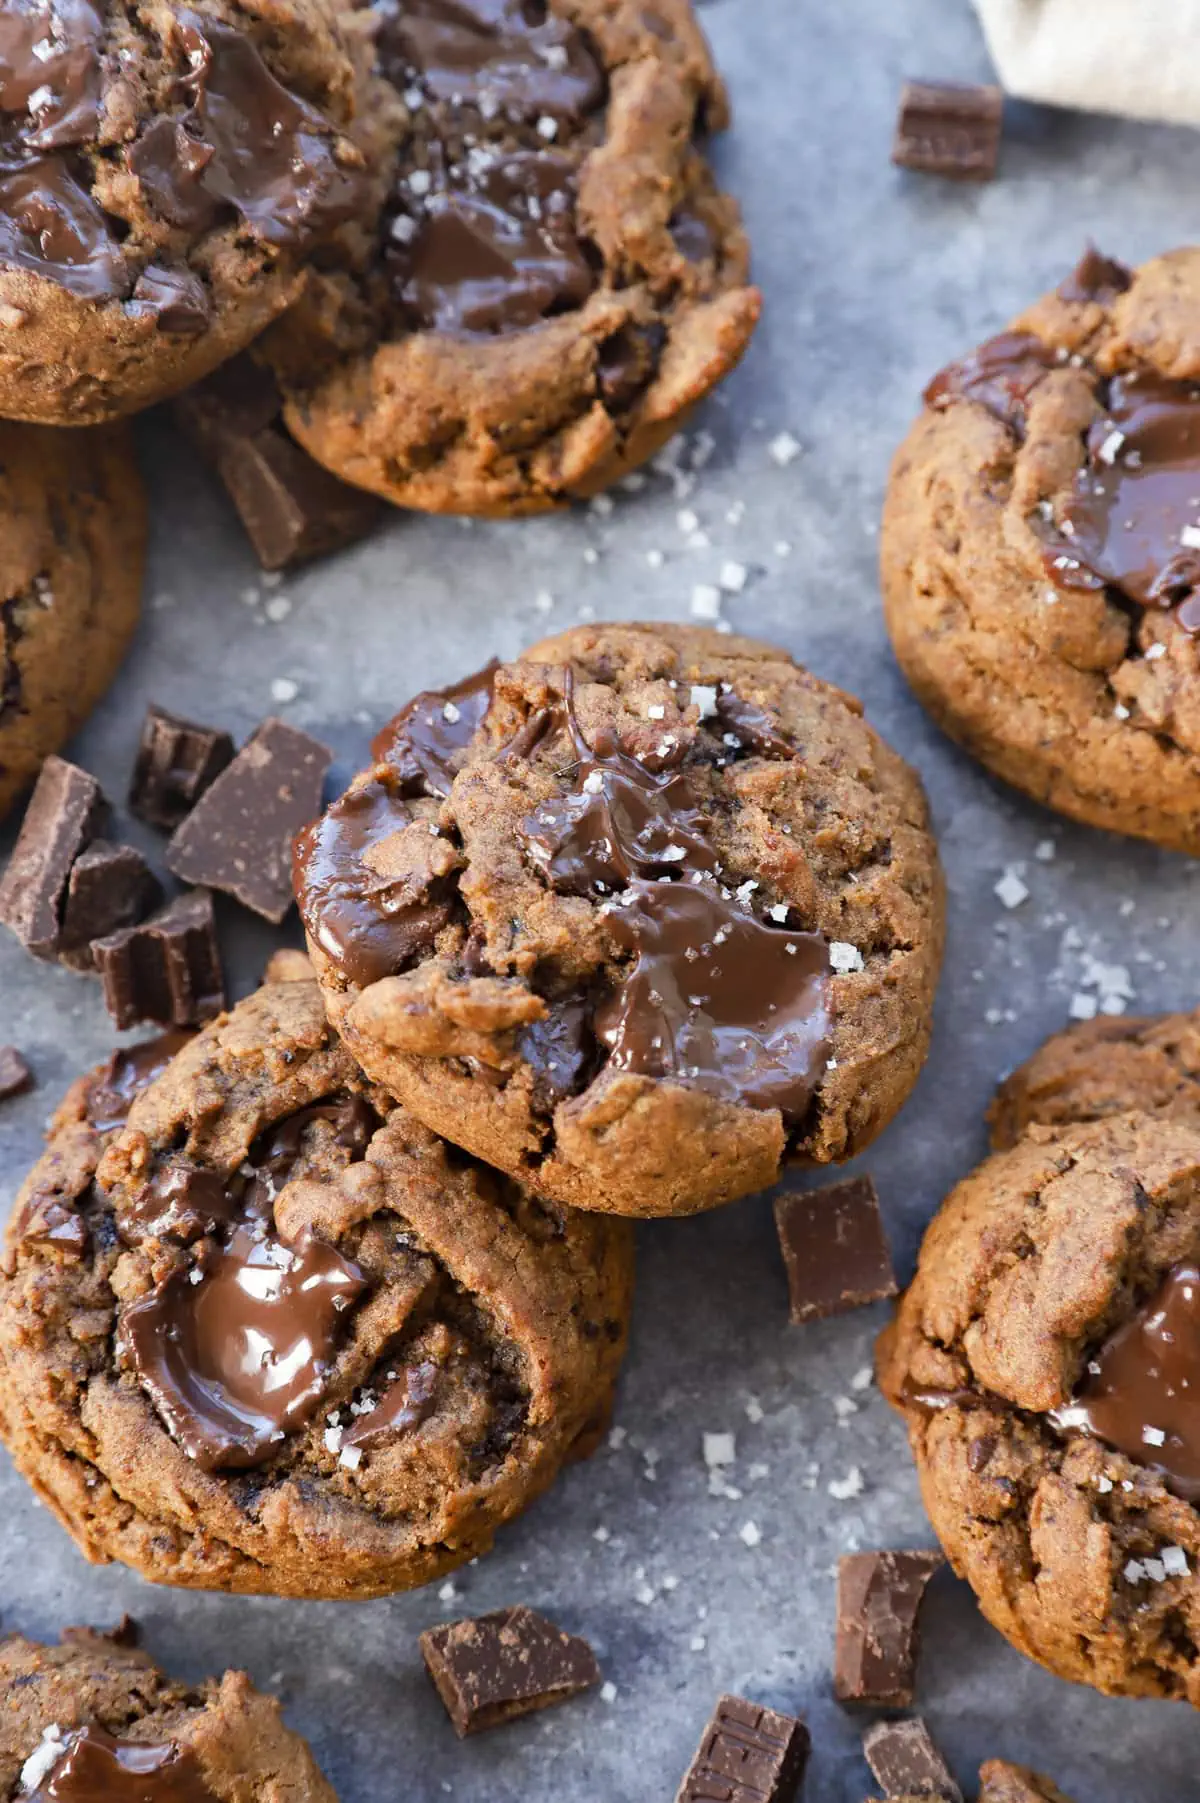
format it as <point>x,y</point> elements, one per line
<point>94,1718</point>
<point>268,1334</point>
<point>1041,550</point>
<point>555,279</point>
<point>72,543</point>
<point>1103,1067</point>
<point>164,169</point>
<point>1046,1359</point>
<point>634,918</point>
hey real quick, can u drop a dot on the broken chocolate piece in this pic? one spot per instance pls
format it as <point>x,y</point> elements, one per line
<point>835,1248</point>
<point>292,509</point>
<point>167,970</point>
<point>110,887</point>
<point>15,1074</point>
<point>67,811</point>
<point>747,1755</point>
<point>879,1597</point>
<point>238,838</point>
<point>906,1762</point>
<point>176,762</point>
<point>949,128</point>
<point>505,1665</point>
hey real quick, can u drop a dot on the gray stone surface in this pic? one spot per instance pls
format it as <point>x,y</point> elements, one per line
<point>872,280</point>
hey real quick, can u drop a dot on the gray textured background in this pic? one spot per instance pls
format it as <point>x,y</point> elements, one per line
<point>872,280</point>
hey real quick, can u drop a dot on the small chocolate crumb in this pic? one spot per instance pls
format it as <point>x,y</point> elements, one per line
<point>125,1633</point>
<point>906,1762</point>
<point>15,1074</point>
<point>110,887</point>
<point>505,1665</point>
<point>292,509</point>
<point>747,1754</point>
<point>835,1248</point>
<point>949,128</point>
<point>66,812</point>
<point>879,1597</point>
<point>167,970</point>
<point>238,837</point>
<point>176,762</point>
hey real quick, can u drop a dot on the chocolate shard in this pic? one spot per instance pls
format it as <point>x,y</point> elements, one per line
<point>110,887</point>
<point>292,509</point>
<point>949,128</point>
<point>177,760</point>
<point>747,1754</point>
<point>167,970</point>
<point>834,1248</point>
<point>504,1665</point>
<point>879,1597</point>
<point>238,837</point>
<point>66,812</point>
<point>15,1074</point>
<point>906,1762</point>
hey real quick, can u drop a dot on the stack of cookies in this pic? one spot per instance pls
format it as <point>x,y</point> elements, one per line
<point>356,245</point>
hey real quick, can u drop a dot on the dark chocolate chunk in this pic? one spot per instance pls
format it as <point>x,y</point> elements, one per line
<point>1096,278</point>
<point>177,760</point>
<point>906,1762</point>
<point>835,1248</point>
<point>15,1074</point>
<point>238,838</point>
<point>879,1598</point>
<point>505,1665</point>
<point>175,299</point>
<point>167,970</point>
<point>747,1755</point>
<point>110,887</point>
<point>291,508</point>
<point>949,128</point>
<point>67,811</point>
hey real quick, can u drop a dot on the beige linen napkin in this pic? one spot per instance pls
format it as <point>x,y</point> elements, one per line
<point>1139,57</point>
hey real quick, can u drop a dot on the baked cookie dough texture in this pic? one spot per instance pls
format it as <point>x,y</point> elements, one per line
<point>1046,1359</point>
<point>1000,1782</point>
<point>440,1340</point>
<point>635,918</point>
<point>72,541</point>
<point>509,270</point>
<point>93,1718</point>
<point>1041,550</point>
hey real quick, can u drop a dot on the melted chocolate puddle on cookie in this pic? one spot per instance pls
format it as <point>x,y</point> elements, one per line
<point>1001,375</point>
<point>95,1765</point>
<point>424,740</point>
<point>1142,1391</point>
<point>403,1407</point>
<point>235,1350</point>
<point>129,1071</point>
<point>1133,521</point>
<point>50,72</point>
<point>715,999</point>
<point>481,239</point>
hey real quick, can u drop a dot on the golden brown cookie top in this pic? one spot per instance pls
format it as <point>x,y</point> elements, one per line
<point>86,1717</point>
<point>330,1353</point>
<point>1102,1067</point>
<point>645,884</point>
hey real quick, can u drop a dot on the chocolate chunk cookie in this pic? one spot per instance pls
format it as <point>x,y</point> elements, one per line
<point>634,918</point>
<point>1000,1782</point>
<point>96,1718</point>
<point>1041,550</point>
<point>1046,1359</point>
<point>555,280</point>
<point>72,541</point>
<point>1103,1067</point>
<point>275,1336</point>
<point>164,170</point>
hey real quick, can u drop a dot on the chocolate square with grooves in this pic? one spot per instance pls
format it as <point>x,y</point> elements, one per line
<point>949,128</point>
<point>747,1754</point>
<point>177,760</point>
<point>907,1763</point>
<point>878,1603</point>
<point>834,1248</point>
<point>167,970</point>
<point>238,837</point>
<point>504,1665</point>
<point>66,812</point>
